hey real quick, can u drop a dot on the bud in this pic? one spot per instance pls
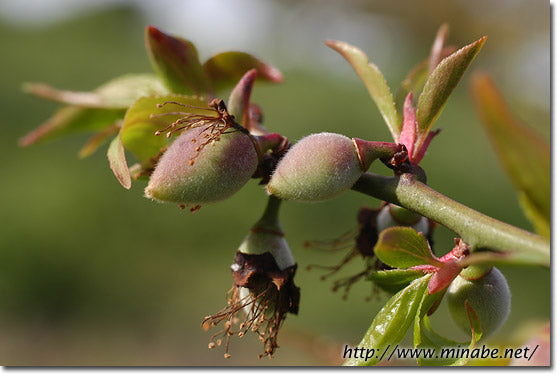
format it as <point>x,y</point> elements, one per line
<point>324,165</point>
<point>196,169</point>
<point>489,296</point>
<point>263,290</point>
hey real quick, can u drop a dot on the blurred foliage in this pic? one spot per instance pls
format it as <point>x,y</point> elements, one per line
<point>92,274</point>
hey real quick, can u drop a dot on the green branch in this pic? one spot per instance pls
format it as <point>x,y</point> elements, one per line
<point>476,229</point>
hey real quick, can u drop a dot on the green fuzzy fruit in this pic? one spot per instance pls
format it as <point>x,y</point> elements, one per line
<point>190,177</point>
<point>319,167</point>
<point>489,296</point>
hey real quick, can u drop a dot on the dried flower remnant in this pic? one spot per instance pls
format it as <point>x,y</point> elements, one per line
<point>263,290</point>
<point>362,240</point>
<point>261,297</point>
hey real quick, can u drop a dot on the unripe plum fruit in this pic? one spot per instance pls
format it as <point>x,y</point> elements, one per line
<point>488,295</point>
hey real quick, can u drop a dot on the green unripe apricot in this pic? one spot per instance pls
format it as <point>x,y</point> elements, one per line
<point>488,295</point>
<point>317,168</point>
<point>214,172</point>
<point>324,165</point>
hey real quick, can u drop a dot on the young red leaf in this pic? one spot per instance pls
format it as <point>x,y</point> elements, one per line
<point>524,154</point>
<point>374,82</point>
<point>420,150</point>
<point>410,126</point>
<point>441,83</point>
<point>175,60</point>
<point>444,276</point>
<point>226,68</point>
<point>403,247</point>
<point>117,162</point>
<point>238,103</point>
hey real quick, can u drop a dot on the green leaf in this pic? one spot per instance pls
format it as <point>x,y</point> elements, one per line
<point>175,60</point>
<point>97,140</point>
<point>226,68</point>
<point>117,162</point>
<point>72,119</point>
<point>524,154</point>
<point>393,320</point>
<point>394,280</point>
<point>139,127</point>
<point>119,93</point>
<point>441,83</point>
<point>403,247</point>
<point>374,81</point>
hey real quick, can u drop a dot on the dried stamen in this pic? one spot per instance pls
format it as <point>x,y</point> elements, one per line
<point>213,126</point>
<point>361,242</point>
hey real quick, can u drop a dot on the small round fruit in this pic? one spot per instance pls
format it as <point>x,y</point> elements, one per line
<point>317,168</point>
<point>489,296</point>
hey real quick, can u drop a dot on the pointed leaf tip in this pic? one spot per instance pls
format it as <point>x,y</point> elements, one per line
<point>374,82</point>
<point>441,83</point>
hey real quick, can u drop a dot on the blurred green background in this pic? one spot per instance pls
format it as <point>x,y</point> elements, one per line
<point>91,274</point>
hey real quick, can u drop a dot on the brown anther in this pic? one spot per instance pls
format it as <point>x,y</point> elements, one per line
<point>227,356</point>
<point>219,342</point>
<point>211,345</point>
<point>182,206</point>
<point>195,208</point>
<point>157,133</point>
<point>191,162</point>
<point>240,334</point>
